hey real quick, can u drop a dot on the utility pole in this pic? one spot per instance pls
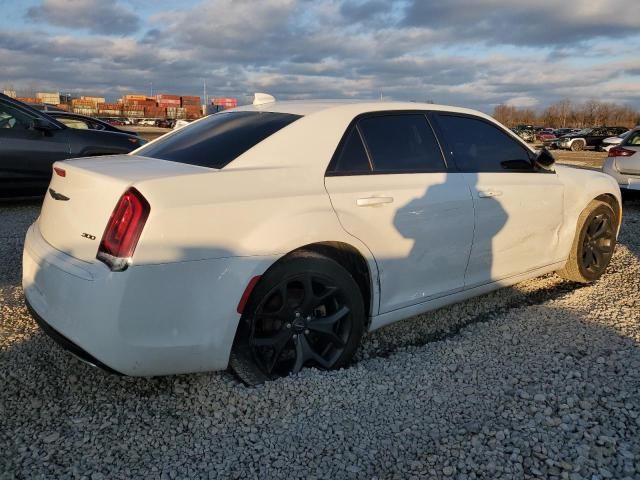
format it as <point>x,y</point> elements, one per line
<point>151,90</point>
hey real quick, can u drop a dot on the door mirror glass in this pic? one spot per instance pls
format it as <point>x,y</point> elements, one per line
<point>544,159</point>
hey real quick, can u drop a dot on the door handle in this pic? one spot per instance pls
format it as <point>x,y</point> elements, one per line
<point>373,201</point>
<point>489,193</point>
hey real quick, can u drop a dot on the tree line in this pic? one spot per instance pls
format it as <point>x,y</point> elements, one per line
<point>565,113</point>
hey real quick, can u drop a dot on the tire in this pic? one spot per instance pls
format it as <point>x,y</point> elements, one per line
<point>577,145</point>
<point>593,245</point>
<point>306,310</point>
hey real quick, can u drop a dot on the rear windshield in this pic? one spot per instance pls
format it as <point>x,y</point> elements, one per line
<point>217,140</point>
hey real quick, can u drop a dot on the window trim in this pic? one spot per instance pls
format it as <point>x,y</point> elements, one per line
<point>331,172</point>
<point>449,153</point>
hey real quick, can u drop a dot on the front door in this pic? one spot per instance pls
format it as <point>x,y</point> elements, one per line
<point>518,208</point>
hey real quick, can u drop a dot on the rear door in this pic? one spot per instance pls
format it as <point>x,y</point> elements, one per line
<point>518,209</point>
<point>390,187</point>
<point>26,154</point>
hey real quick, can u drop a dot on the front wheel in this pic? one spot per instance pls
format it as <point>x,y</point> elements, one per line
<point>306,310</point>
<point>577,145</point>
<point>593,244</point>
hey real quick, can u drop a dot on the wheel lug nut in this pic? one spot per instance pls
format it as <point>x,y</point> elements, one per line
<point>297,314</point>
<point>295,336</point>
<point>309,317</point>
<point>306,332</point>
<point>288,325</point>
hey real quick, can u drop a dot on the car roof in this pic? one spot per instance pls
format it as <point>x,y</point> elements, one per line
<point>309,107</point>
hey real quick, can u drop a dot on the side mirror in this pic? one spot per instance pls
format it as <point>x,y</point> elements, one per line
<point>544,159</point>
<point>41,124</point>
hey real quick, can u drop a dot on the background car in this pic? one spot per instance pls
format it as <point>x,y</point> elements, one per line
<point>31,141</point>
<point>623,162</point>
<point>610,142</point>
<point>83,122</point>
<point>309,224</point>
<point>588,138</point>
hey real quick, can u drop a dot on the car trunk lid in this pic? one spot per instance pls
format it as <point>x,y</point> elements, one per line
<point>83,193</point>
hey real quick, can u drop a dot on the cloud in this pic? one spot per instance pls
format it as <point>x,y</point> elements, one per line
<point>456,53</point>
<point>97,16</point>
<point>526,22</point>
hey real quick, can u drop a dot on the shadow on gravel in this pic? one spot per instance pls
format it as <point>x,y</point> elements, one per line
<point>538,387</point>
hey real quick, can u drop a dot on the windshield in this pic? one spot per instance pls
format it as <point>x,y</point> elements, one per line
<point>218,139</point>
<point>585,131</point>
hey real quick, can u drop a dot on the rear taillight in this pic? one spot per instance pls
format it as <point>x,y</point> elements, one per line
<point>60,171</point>
<point>123,230</point>
<point>620,152</point>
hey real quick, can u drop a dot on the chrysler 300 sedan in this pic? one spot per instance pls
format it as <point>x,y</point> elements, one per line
<point>273,236</point>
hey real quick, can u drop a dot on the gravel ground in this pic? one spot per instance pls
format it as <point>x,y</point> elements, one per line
<point>540,380</point>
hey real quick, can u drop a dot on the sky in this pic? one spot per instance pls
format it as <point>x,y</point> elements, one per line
<point>472,53</point>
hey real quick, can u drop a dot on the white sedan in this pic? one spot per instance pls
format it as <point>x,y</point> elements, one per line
<point>273,236</point>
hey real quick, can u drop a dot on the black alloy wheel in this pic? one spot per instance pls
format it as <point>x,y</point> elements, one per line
<point>304,319</point>
<point>598,244</point>
<point>593,244</point>
<point>307,310</point>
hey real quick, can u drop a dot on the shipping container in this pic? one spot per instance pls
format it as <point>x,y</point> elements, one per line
<point>95,100</point>
<point>169,102</point>
<point>126,98</point>
<point>52,98</point>
<point>109,106</point>
<point>63,106</point>
<point>84,110</point>
<point>166,96</point>
<point>225,101</point>
<point>28,99</point>
<point>132,113</point>
<point>10,93</point>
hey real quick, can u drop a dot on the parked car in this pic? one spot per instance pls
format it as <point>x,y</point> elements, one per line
<point>31,141</point>
<point>526,132</point>
<point>83,122</point>
<point>168,123</point>
<point>545,135</point>
<point>623,162</point>
<point>559,132</point>
<point>587,138</point>
<point>312,223</point>
<point>611,142</point>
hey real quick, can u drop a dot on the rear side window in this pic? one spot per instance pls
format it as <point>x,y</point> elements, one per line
<point>478,146</point>
<point>632,139</point>
<point>401,143</point>
<point>353,157</point>
<point>217,140</point>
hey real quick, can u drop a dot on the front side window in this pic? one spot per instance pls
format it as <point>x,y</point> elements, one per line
<point>217,140</point>
<point>478,146</point>
<point>401,143</point>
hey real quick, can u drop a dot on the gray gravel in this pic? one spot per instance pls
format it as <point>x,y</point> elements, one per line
<point>540,380</point>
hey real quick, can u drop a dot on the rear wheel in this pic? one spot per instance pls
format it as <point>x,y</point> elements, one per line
<point>307,310</point>
<point>577,145</point>
<point>593,245</point>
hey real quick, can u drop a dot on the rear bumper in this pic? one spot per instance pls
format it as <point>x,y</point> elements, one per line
<point>625,181</point>
<point>67,344</point>
<point>148,320</point>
